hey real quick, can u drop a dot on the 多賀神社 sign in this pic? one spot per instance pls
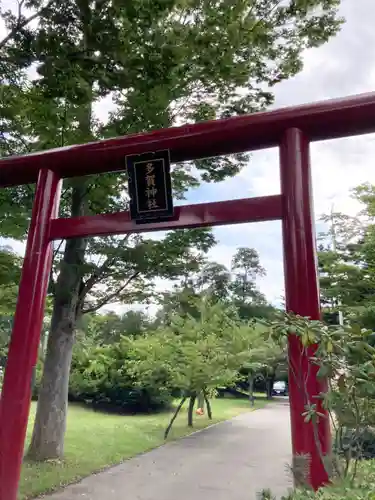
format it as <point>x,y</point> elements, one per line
<point>150,189</point>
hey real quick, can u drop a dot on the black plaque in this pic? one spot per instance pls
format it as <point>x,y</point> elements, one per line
<point>150,189</point>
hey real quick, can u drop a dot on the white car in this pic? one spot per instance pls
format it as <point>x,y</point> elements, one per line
<point>280,388</point>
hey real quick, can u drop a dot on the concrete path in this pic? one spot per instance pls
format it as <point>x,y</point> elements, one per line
<point>230,461</point>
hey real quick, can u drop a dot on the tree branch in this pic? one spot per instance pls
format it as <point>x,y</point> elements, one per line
<point>96,275</point>
<point>21,24</point>
<point>57,250</point>
<point>110,296</point>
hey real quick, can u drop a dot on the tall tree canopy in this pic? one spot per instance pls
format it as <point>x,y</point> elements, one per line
<point>161,62</point>
<point>237,287</point>
<point>347,261</point>
<point>108,328</point>
<point>10,270</point>
<point>246,268</point>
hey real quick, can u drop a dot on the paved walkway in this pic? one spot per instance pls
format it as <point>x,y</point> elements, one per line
<point>230,461</point>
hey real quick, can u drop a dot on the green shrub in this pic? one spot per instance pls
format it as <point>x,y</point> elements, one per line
<point>360,443</point>
<point>99,377</point>
<point>345,357</point>
<point>361,487</point>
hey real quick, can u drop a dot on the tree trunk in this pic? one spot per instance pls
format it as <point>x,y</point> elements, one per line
<point>49,429</point>
<point>269,385</point>
<point>268,396</point>
<point>192,399</point>
<point>251,388</point>
<point>167,430</point>
<point>208,405</point>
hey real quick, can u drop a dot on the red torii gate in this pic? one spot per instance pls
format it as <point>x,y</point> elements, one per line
<point>291,129</point>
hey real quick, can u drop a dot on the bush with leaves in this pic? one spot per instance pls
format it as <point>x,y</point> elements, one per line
<point>194,354</point>
<point>343,489</point>
<point>100,377</point>
<point>346,359</point>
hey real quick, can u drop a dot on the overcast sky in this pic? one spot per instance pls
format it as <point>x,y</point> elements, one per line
<point>344,66</point>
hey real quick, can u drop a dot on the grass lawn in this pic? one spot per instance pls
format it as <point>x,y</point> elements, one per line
<point>96,440</point>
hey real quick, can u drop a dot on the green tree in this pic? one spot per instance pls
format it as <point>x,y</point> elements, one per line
<point>5,332</point>
<point>108,328</point>
<point>342,281</point>
<point>10,270</point>
<point>10,267</point>
<point>101,377</point>
<point>255,359</point>
<point>163,62</point>
<point>215,280</point>
<point>195,355</point>
<point>347,264</point>
<point>246,268</point>
<point>266,360</point>
<point>211,279</point>
<point>181,300</point>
